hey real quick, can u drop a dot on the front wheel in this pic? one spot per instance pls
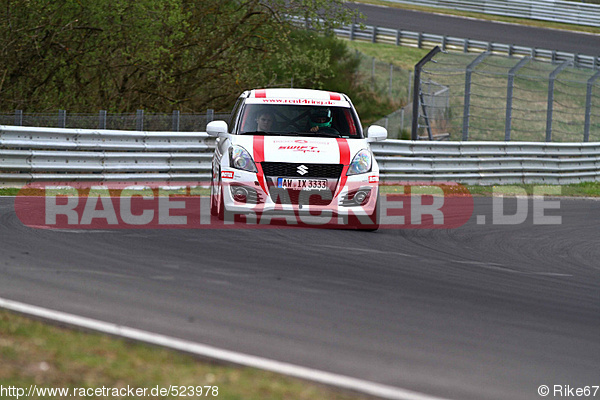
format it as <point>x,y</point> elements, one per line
<point>214,201</point>
<point>223,214</point>
<point>369,223</point>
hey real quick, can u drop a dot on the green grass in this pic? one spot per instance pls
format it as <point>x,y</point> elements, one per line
<point>35,353</point>
<point>585,189</point>
<point>402,57</point>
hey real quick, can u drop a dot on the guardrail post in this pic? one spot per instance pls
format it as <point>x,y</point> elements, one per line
<point>62,118</point>
<point>139,120</point>
<point>102,120</point>
<point>588,106</point>
<point>176,114</point>
<point>466,46</point>
<point>509,96</point>
<point>351,35</point>
<point>467,105</point>
<point>210,115</point>
<point>550,108</point>
<point>374,37</point>
<point>417,90</point>
<point>398,36</point>
<point>18,117</point>
<point>420,40</point>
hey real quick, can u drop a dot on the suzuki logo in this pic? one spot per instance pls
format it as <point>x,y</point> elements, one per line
<point>302,170</point>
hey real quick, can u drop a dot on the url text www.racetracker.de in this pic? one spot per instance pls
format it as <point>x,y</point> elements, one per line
<point>7,392</point>
<point>177,205</point>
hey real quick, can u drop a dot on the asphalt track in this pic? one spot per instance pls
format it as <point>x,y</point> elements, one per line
<point>483,311</point>
<point>548,39</point>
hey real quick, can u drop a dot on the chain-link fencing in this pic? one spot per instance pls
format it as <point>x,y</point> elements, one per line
<point>141,121</point>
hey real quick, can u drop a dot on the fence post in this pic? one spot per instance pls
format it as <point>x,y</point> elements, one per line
<point>391,78</point>
<point>417,90</point>
<point>550,108</point>
<point>509,96</point>
<point>588,106</point>
<point>467,105</point>
<point>176,114</point>
<point>139,120</point>
<point>373,73</point>
<point>410,79</point>
<point>102,120</point>
<point>18,117</point>
<point>62,118</point>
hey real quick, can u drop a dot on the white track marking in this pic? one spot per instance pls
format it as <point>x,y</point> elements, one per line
<point>341,381</point>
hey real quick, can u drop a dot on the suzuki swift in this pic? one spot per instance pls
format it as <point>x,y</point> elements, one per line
<point>295,152</point>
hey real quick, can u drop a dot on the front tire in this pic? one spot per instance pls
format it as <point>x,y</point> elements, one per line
<point>214,202</point>
<point>223,214</point>
<point>374,219</point>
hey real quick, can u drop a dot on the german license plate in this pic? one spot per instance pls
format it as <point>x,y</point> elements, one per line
<point>302,184</point>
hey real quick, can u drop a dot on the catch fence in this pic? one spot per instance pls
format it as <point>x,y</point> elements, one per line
<point>487,97</point>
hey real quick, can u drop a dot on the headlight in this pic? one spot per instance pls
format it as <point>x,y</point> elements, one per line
<point>361,163</point>
<point>239,158</point>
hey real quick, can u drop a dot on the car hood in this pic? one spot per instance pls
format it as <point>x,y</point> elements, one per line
<point>296,149</point>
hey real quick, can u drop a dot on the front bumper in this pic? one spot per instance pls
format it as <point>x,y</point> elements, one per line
<point>243,193</point>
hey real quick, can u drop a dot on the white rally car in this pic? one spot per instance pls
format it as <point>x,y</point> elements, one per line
<point>295,152</point>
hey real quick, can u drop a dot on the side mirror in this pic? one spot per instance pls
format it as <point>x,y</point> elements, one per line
<point>376,133</point>
<point>217,128</point>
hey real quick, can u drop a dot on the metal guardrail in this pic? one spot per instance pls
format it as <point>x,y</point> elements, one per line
<point>33,154</point>
<point>555,10</point>
<point>45,154</point>
<point>420,40</point>
<point>486,163</point>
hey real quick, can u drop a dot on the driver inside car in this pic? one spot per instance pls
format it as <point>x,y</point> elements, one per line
<point>320,121</point>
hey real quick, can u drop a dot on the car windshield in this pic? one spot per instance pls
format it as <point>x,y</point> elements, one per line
<point>299,120</point>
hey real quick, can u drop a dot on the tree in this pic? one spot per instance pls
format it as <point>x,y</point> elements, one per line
<point>85,55</point>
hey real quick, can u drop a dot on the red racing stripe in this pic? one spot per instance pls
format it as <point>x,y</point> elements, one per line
<point>258,150</point>
<point>345,161</point>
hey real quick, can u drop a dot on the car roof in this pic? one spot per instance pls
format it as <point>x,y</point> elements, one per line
<point>298,96</point>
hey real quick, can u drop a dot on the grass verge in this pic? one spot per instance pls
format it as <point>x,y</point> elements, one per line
<point>584,189</point>
<point>35,353</point>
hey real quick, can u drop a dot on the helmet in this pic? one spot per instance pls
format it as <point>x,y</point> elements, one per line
<point>320,117</point>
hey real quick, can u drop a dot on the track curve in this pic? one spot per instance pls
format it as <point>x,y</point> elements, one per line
<point>469,28</point>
